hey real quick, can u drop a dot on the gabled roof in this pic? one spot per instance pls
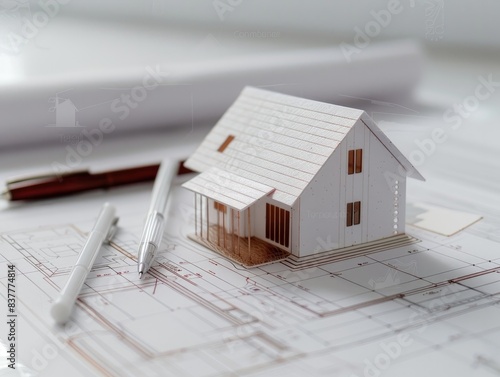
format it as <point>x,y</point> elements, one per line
<point>281,141</point>
<point>67,102</point>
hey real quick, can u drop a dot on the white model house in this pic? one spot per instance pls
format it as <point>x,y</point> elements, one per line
<point>278,173</point>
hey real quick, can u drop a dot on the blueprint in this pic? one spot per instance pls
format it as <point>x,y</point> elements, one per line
<point>424,304</point>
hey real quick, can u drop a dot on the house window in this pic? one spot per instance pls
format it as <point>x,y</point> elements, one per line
<point>277,224</point>
<point>354,161</point>
<point>350,163</point>
<point>353,216</point>
<point>358,161</point>
<point>225,143</point>
<point>220,207</point>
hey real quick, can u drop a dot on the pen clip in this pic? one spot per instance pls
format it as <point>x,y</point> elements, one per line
<point>13,181</point>
<point>112,230</point>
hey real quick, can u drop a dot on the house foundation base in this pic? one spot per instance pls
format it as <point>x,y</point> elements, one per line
<point>366,248</point>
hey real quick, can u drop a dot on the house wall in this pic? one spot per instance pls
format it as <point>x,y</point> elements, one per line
<point>323,204</point>
<point>383,197</point>
<point>320,213</point>
<point>356,186</point>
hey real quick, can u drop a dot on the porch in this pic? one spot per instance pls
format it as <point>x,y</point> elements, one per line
<point>224,204</point>
<point>248,251</point>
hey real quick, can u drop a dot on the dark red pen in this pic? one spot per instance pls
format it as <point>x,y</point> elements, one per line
<point>49,186</point>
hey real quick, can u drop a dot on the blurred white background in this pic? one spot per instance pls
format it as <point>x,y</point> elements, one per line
<point>467,23</point>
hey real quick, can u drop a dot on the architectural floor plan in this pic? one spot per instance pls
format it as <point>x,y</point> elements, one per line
<point>424,305</point>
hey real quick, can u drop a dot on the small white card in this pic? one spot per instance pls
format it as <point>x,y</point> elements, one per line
<point>439,220</point>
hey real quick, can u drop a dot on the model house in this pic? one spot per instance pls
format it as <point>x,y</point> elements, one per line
<point>277,173</point>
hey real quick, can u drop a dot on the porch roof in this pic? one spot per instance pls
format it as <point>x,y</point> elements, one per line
<point>228,188</point>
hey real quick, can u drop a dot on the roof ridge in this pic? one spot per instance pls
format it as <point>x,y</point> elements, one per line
<point>293,99</point>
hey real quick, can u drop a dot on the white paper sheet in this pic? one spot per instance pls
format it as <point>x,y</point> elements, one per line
<point>199,315</point>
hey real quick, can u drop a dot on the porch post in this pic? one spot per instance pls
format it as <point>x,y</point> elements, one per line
<point>238,232</point>
<point>195,214</point>
<point>232,229</point>
<point>224,227</point>
<point>248,209</point>
<point>218,227</point>
<point>201,215</point>
<point>208,223</point>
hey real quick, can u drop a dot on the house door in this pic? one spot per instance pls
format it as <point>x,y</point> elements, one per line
<point>278,225</point>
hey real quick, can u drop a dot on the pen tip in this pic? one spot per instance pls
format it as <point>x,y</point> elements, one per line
<point>5,195</point>
<point>141,269</point>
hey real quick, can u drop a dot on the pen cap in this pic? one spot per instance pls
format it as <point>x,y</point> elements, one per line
<point>61,310</point>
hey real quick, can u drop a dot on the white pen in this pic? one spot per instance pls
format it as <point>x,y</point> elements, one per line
<point>103,230</point>
<point>155,222</point>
